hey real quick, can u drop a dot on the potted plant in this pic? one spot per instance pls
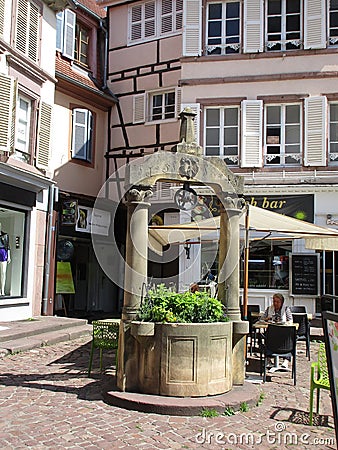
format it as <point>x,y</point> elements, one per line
<point>185,342</point>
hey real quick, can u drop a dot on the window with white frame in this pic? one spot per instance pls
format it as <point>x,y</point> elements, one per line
<point>27,32</point>
<point>153,19</point>
<point>333,133</point>
<point>333,22</point>
<point>283,25</point>
<point>222,133</point>
<point>162,106</point>
<point>81,44</point>
<point>82,134</point>
<point>283,134</point>
<point>223,28</point>
<point>22,129</point>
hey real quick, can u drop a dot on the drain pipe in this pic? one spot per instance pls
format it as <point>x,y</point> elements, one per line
<point>52,191</point>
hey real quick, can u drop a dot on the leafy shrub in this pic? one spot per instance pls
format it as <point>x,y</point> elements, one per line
<point>163,305</point>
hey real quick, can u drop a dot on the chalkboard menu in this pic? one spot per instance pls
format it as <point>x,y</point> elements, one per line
<point>304,274</point>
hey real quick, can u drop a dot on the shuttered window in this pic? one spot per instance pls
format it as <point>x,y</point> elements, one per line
<point>252,125</point>
<point>222,133</point>
<point>66,33</point>
<point>333,134</point>
<point>7,112</point>
<point>82,134</point>
<point>333,22</point>
<point>153,19</point>
<point>315,23</point>
<point>23,127</point>
<point>253,26</point>
<point>192,28</point>
<point>27,34</point>
<point>43,148</point>
<point>157,106</point>
<point>315,127</point>
<point>283,135</point>
<point>223,28</point>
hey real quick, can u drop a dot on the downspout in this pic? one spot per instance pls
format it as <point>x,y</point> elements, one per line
<point>49,231</point>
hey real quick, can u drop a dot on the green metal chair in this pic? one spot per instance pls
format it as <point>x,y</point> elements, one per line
<point>319,378</point>
<point>105,337</point>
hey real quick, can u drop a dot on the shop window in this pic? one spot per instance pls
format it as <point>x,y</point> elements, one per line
<point>283,135</point>
<point>283,25</point>
<point>268,265</point>
<point>82,135</point>
<point>223,28</point>
<point>12,234</point>
<point>222,133</point>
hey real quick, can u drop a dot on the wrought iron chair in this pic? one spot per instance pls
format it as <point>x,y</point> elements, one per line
<point>105,337</point>
<point>303,331</point>
<point>279,341</point>
<point>319,378</point>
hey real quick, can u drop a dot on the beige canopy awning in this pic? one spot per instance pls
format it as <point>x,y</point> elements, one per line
<point>260,220</point>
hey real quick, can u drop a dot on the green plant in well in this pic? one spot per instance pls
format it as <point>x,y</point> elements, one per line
<point>206,412</point>
<point>163,305</point>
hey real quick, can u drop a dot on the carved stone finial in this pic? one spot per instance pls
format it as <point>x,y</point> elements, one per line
<point>138,194</point>
<point>187,142</point>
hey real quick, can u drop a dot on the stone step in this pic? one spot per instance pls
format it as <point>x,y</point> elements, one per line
<point>30,342</point>
<point>37,325</point>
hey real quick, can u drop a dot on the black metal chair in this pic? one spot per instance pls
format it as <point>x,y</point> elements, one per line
<point>279,341</point>
<point>303,331</point>
<point>298,309</point>
<point>252,318</point>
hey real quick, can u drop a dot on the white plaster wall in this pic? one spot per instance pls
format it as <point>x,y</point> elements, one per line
<point>48,33</point>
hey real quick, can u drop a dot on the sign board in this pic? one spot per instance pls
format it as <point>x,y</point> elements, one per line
<point>89,220</point>
<point>330,326</point>
<point>304,274</point>
<point>68,212</point>
<point>64,278</point>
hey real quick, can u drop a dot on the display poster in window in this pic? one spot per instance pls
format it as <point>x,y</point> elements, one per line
<point>64,278</point>
<point>330,326</point>
<point>89,220</point>
<point>304,274</point>
<point>69,212</point>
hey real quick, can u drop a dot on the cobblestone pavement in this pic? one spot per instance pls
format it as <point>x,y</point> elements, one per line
<point>47,402</point>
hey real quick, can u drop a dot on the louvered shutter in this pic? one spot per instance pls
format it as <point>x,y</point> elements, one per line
<point>178,101</point>
<point>21,36</point>
<point>252,123</point>
<point>196,108</point>
<point>33,34</point>
<point>166,16</point>
<point>315,126</point>
<point>165,191</point>
<point>139,108</point>
<point>43,149</point>
<point>69,33</point>
<point>149,19</point>
<point>2,16</point>
<point>7,107</point>
<point>253,26</point>
<point>192,28</point>
<point>59,30</point>
<point>135,23</point>
<point>179,15</point>
<point>314,24</point>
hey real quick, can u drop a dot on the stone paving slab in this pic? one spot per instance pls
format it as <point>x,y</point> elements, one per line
<point>48,402</point>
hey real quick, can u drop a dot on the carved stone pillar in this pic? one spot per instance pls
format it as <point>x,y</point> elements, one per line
<point>135,280</point>
<point>229,283</point>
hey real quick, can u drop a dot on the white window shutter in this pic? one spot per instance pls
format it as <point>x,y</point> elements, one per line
<point>252,124</point>
<point>81,144</point>
<point>196,108</point>
<point>192,28</point>
<point>59,30</point>
<point>314,24</point>
<point>253,26</point>
<point>7,108</point>
<point>315,131</point>
<point>178,97</point>
<point>69,33</point>
<point>149,19</point>
<point>2,16</point>
<point>43,148</point>
<point>167,16</point>
<point>139,108</point>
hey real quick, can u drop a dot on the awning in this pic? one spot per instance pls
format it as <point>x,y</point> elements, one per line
<point>260,220</point>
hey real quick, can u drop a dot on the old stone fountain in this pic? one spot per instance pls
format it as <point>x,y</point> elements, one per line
<point>181,359</point>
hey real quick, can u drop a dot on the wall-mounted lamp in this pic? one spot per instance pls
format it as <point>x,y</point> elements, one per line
<point>187,248</point>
